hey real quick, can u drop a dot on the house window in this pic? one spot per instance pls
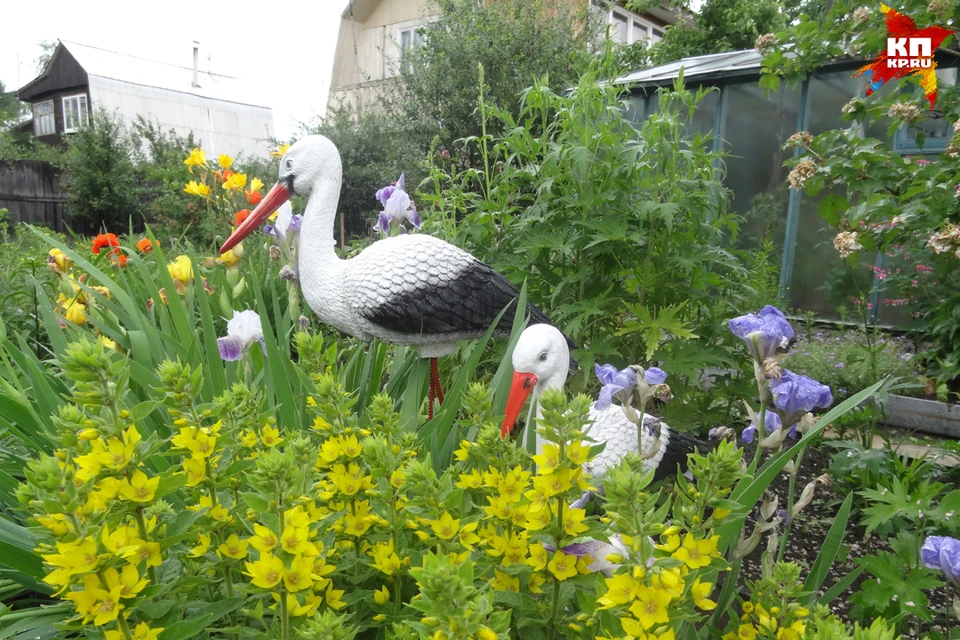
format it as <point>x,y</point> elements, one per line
<point>626,27</point>
<point>410,39</point>
<point>44,122</point>
<point>74,112</point>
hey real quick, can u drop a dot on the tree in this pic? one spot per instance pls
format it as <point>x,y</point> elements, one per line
<point>515,42</point>
<point>100,176</point>
<point>721,25</point>
<point>11,109</point>
<point>47,48</point>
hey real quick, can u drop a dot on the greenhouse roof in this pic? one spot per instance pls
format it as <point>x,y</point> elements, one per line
<point>714,65</point>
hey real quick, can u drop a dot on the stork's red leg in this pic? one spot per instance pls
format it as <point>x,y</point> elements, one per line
<point>435,376</point>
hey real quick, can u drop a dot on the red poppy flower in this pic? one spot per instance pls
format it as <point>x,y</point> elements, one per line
<point>240,216</point>
<point>105,240</point>
<point>145,246</point>
<point>254,197</point>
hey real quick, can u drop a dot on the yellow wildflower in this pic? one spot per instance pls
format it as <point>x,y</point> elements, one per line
<point>195,188</point>
<point>538,557</point>
<point>293,540</point>
<point>236,182</point>
<point>445,527</point>
<point>197,158</point>
<point>267,572</point>
<point>332,597</point>
<point>76,312</point>
<point>471,480</point>
<point>128,579</point>
<point>109,605</point>
<point>650,607</point>
<point>621,589</point>
<point>233,547</point>
<point>573,521</point>
<point>563,566</point>
<point>225,161</point>
<point>577,452</point>
<point>264,540</point>
<point>270,436</point>
<point>696,553</point>
<point>382,595</point>
<point>548,460</point>
<point>139,488</point>
<point>701,595</point>
<point>280,151</point>
<point>298,577</point>
<point>504,582</point>
<point>181,269</point>
<point>202,547</point>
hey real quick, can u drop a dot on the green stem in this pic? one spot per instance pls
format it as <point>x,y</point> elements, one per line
<point>555,608</point>
<point>228,579</point>
<point>142,526</point>
<point>790,496</point>
<point>284,616</point>
<point>761,429</point>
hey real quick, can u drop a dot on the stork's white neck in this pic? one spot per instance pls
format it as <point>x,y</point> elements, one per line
<point>555,380</point>
<point>317,256</point>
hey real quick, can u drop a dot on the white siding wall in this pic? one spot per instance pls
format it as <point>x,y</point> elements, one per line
<point>218,126</point>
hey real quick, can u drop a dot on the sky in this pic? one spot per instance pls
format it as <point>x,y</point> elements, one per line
<point>284,50</point>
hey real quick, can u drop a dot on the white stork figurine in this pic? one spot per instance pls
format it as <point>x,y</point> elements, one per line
<point>540,362</point>
<point>413,290</point>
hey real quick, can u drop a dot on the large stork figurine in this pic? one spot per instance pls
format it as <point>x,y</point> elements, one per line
<point>539,363</point>
<point>413,290</point>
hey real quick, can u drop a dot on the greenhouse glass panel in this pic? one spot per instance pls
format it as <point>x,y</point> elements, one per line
<point>754,128</point>
<point>822,282</point>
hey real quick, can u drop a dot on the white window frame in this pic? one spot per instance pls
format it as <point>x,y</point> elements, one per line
<point>634,22</point>
<point>415,35</point>
<point>83,115</point>
<point>38,120</point>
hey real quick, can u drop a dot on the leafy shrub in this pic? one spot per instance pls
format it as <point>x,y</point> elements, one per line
<point>100,177</point>
<point>23,260</point>
<point>618,233</point>
<point>841,361</point>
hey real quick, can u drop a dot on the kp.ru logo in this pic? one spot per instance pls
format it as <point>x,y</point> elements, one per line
<point>909,51</point>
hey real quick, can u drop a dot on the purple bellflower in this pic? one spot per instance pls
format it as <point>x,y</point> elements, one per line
<point>615,383</point>
<point>794,395</point>
<point>763,332</point>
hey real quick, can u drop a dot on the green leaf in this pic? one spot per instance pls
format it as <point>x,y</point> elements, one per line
<point>255,501</point>
<point>186,629</point>
<point>828,550</point>
<point>832,207</point>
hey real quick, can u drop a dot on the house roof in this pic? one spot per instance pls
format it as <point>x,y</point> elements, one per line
<point>714,64</point>
<point>152,73</point>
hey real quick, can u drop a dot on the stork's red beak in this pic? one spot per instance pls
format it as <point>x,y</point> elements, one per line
<point>270,203</point>
<point>520,390</point>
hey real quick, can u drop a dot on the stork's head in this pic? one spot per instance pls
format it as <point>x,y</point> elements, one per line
<point>540,360</point>
<point>309,161</point>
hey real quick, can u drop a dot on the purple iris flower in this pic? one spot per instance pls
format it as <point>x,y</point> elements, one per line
<point>243,330</point>
<point>771,422</point>
<point>614,382</point>
<point>943,553</point>
<point>654,375</point>
<point>396,203</point>
<point>763,332</point>
<point>794,395</point>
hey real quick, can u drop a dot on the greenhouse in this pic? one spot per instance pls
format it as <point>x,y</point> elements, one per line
<point>751,126</point>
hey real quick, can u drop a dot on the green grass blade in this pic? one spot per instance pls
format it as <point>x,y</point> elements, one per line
<point>840,586</point>
<point>828,550</point>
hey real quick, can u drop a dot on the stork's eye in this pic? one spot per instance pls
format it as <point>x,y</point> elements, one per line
<point>543,357</point>
<point>289,163</point>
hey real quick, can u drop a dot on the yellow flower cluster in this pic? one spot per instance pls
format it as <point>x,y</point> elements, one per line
<point>760,622</point>
<point>645,594</point>
<point>101,567</point>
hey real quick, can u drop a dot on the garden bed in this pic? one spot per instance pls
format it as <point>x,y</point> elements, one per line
<point>807,537</point>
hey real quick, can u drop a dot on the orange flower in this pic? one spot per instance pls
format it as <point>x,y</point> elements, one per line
<point>254,197</point>
<point>105,240</point>
<point>240,216</point>
<point>145,246</point>
<point>226,175</point>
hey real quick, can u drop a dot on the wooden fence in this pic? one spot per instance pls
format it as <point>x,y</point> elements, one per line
<point>30,190</point>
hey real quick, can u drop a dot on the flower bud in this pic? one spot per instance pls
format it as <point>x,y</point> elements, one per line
<point>89,434</point>
<point>807,495</point>
<point>274,253</point>
<point>240,288</point>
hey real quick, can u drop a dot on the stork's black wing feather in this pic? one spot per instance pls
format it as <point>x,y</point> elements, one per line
<point>467,304</point>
